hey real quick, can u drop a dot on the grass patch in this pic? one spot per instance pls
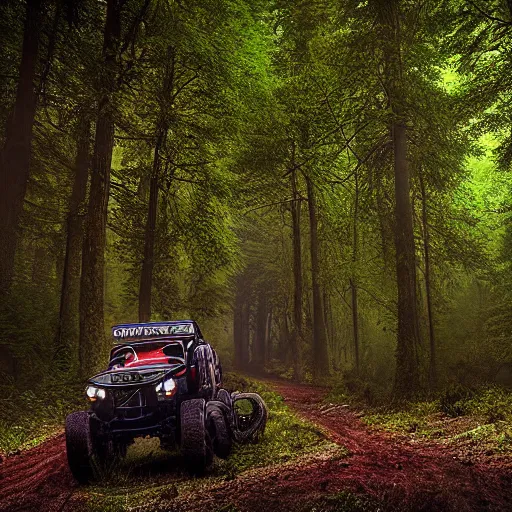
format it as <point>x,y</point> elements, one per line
<point>155,478</point>
<point>31,417</point>
<point>462,416</point>
<point>285,437</point>
<point>410,418</point>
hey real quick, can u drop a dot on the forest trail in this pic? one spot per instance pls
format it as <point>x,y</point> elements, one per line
<point>398,474</point>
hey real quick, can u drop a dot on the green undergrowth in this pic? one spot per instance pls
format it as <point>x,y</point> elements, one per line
<point>155,478</point>
<point>29,417</point>
<point>457,415</point>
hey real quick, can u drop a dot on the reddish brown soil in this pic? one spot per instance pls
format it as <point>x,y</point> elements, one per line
<point>394,472</point>
<point>37,479</point>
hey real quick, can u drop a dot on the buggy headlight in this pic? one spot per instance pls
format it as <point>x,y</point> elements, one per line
<point>93,393</point>
<point>166,388</point>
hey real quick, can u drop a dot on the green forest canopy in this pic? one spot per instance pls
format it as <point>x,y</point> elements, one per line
<point>324,185</point>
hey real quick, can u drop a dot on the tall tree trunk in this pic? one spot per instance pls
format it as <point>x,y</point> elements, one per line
<point>352,281</point>
<point>246,331</point>
<point>407,380</point>
<point>320,351</point>
<point>241,326</point>
<point>432,371</point>
<point>327,320</point>
<point>146,276</point>
<point>268,338</point>
<point>407,366</point>
<point>68,327</point>
<point>16,153</point>
<point>237,329</point>
<point>92,328</point>
<point>297,278</point>
<point>258,346</point>
<point>284,352</point>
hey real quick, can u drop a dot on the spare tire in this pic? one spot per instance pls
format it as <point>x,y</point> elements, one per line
<point>78,446</point>
<point>195,440</point>
<point>219,433</point>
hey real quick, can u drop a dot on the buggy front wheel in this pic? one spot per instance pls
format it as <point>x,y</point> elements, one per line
<point>195,440</point>
<point>78,446</point>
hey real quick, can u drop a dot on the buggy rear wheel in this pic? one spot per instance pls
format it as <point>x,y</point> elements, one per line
<point>195,440</point>
<point>78,446</point>
<point>220,434</point>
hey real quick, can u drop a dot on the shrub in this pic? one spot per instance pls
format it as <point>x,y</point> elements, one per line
<point>453,401</point>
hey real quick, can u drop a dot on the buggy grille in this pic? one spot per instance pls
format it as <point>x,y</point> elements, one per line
<point>133,403</point>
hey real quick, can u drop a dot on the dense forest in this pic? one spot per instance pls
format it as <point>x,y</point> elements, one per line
<point>323,185</point>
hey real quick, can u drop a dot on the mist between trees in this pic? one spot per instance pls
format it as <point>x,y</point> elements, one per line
<point>324,185</point>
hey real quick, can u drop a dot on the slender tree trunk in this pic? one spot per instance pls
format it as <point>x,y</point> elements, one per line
<point>92,328</point>
<point>268,339</point>
<point>16,153</point>
<point>327,320</point>
<point>352,281</point>
<point>146,276</point>
<point>355,323</point>
<point>241,326</point>
<point>320,352</point>
<point>238,327</point>
<point>258,346</point>
<point>432,373</point>
<point>284,352</point>
<point>246,332</point>
<point>68,327</point>
<point>407,381</point>
<point>297,279</point>
<point>407,369</point>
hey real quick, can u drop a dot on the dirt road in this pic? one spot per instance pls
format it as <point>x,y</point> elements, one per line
<point>392,471</point>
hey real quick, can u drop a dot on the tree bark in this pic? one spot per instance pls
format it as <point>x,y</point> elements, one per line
<point>352,281</point>
<point>297,331</point>
<point>92,328</point>
<point>268,339</point>
<point>320,351</point>
<point>17,150</point>
<point>432,373</point>
<point>241,326</point>
<point>259,341</point>
<point>407,365</point>
<point>407,381</point>
<point>146,276</point>
<point>68,327</point>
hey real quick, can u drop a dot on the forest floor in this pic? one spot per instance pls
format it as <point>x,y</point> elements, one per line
<point>362,468</point>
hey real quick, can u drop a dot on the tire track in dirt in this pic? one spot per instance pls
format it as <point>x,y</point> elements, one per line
<point>396,474</point>
<point>37,479</point>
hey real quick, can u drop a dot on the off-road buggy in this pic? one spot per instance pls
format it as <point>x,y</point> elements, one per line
<point>163,380</point>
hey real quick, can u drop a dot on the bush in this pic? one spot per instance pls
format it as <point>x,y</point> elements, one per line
<point>453,401</point>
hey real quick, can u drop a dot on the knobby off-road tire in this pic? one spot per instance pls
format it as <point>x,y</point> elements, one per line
<point>220,434</point>
<point>79,446</point>
<point>195,440</point>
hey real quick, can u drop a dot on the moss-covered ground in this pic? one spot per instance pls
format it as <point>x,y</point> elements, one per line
<point>476,420</point>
